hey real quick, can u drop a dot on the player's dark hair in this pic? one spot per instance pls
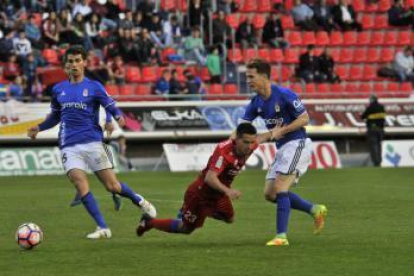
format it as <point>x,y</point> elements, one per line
<point>75,50</point>
<point>262,67</point>
<point>245,128</point>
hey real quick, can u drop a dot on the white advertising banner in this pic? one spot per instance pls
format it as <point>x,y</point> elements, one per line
<point>398,153</point>
<point>194,157</point>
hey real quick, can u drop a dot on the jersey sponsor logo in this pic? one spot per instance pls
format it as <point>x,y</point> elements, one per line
<point>219,162</point>
<point>274,121</point>
<point>74,105</point>
<point>259,110</point>
<point>297,104</point>
<point>277,108</point>
<point>85,92</point>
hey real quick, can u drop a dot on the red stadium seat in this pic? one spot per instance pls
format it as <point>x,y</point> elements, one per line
<point>287,22</point>
<point>358,5</point>
<point>406,88</point>
<point>381,22</point>
<point>378,87</point>
<point>249,54</point>
<point>126,90</point>
<point>336,38</point>
<point>336,54</point>
<point>294,38</point>
<point>373,55</point>
<point>387,54</point>
<point>296,87</point>
<point>337,88</point>
<point>310,88</point>
<point>363,38</point>
<point>377,38</point>
<point>259,21</point>
<point>249,6</point>
<point>132,74</point>
<point>166,53</point>
<point>233,20</point>
<point>350,38</point>
<point>168,5</point>
<point>390,38</point>
<point>113,90</point>
<point>276,55</point>
<point>264,6</point>
<point>371,8</point>
<point>393,87</point>
<point>235,55</point>
<point>51,56</point>
<point>322,39</point>
<point>367,21</point>
<point>342,71</point>
<point>264,54</point>
<point>360,55</point>
<point>143,90</point>
<point>205,74</point>
<point>369,72</point>
<point>287,72</point>
<point>347,55</point>
<point>149,74</point>
<point>291,55</point>
<point>308,38</point>
<point>215,89</point>
<point>384,5</point>
<point>355,73</point>
<point>323,88</point>
<point>231,89</point>
<point>351,87</point>
<point>404,38</point>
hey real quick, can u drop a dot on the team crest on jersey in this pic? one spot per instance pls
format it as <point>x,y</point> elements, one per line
<point>85,92</point>
<point>63,93</point>
<point>277,108</point>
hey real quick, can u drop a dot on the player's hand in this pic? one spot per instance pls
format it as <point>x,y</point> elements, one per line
<point>32,132</point>
<point>109,128</point>
<point>277,133</point>
<point>233,194</point>
<point>121,121</point>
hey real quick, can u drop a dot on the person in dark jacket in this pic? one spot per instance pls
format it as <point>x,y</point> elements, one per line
<point>273,34</point>
<point>246,34</point>
<point>374,115</point>
<point>326,65</point>
<point>399,16</point>
<point>344,15</point>
<point>309,69</point>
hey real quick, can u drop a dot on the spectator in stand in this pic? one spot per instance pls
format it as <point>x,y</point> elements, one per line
<point>50,30</point>
<point>29,70</point>
<point>148,53</point>
<point>59,5</point>
<point>162,86</point>
<point>194,86</point>
<point>66,30</point>
<point>309,69</point>
<point>303,16</point>
<point>273,34</point>
<point>94,28</point>
<point>404,64</point>
<point>80,32</point>
<point>345,17</point>
<point>146,7</point>
<point>128,22</point>
<point>82,7</point>
<point>118,70</point>
<point>33,33</point>
<point>11,68</point>
<point>195,12</point>
<point>158,36</point>
<point>172,31</point>
<point>326,65</point>
<point>176,88</point>
<point>110,15</point>
<point>137,22</point>
<point>126,45</point>
<point>194,47</point>
<point>246,34</point>
<point>97,69</point>
<point>6,44</point>
<point>16,89</point>
<point>323,15</point>
<point>399,16</point>
<point>214,65</point>
<point>227,6</point>
<point>37,90</point>
<point>222,32</point>
<point>22,46</point>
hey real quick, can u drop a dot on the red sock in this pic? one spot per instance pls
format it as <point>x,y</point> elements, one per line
<point>162,224</point>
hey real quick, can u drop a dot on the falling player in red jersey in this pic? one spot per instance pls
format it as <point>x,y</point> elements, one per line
<point>210,195</point>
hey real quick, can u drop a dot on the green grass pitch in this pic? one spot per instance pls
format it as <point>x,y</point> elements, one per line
<point>369,231</point>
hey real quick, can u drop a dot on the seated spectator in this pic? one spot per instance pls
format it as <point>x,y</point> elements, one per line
<point>273,34</point>
<point>227,6</point>
<point>344,16</point>
<point>404,64</point>
<point>22,46</point>
<point>97,69</point>
<point>29,71</point>
<point>176,88</point>
<point>81,7</point>
<point>118,70</point>
<point>11,69</point>
<point>66,29</point>
<point>399,16</point>
<point>94,28</point>
<point>214,65</point>
<point>147,52</point>
<point>128,22</point>
<point>160,39</point>
<point>146,7</point>
<point>194,47</point>
<point>16,89</point>
<point>222,32</point>
<point>309,69</point>
<point>162,86</point>
<point>246,34</point>
<point>323,15</point>
<point>326,65</point>
<point>37,90</point>
<point>33,33</point>
<point>81,35</point>
<point>303,16</point>
<point>6,45</point>
<point>50,30</point>
<point>172,29</point>
<point>137,22</point>
<point>194,86</point>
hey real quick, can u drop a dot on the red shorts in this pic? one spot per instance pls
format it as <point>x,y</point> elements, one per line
<point>197,207</point>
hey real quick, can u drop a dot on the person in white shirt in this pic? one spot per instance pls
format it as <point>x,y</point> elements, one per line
<point>82,8</point>
<point>22,46</point>
<point>404,64</point>
<point>344,16</point>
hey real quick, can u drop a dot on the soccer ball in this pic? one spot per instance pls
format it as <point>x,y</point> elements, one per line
<point>29,235</point>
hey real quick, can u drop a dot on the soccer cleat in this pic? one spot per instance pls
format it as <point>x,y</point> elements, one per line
<point>279,240</point>
<point>76,201</point>
<point>100,233</point>
<point>148,208</point>
<point>144,225</point>
<point>319,213</point>
<point>117,202</point>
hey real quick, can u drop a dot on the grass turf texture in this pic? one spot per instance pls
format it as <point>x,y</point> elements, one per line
<point>370,228</point>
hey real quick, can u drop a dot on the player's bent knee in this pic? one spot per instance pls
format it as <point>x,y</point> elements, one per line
<point>186,230</point>
<point>270,197</point>
<point>229,220</point>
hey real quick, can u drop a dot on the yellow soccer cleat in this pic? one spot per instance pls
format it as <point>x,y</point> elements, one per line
<point>279,240</point>
<point>319,213</point>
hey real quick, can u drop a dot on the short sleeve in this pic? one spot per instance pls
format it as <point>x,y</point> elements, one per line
<point>250,113</point>
<point>294,104</point>
<point>217,161</point>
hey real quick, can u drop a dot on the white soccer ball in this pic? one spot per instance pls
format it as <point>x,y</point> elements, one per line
<point>29,235</point>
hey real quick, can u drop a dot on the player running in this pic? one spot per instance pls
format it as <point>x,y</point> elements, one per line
<point>75,105</point>
<point>210,195</point>
<point>282,111</point>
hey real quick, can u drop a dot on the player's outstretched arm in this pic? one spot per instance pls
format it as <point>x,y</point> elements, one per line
<point>213,181</point>
<point>51,120</point>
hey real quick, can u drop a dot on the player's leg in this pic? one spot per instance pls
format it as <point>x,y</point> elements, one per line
<point>103,170</point>
<point>76,201</point>
<point>224,210</point>
<point>165,225</point>
<point>115,198</point>
<point>75,167</point>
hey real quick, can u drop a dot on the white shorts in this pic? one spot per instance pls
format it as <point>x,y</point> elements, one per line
<point>95,156</point>
<point>293,157</point>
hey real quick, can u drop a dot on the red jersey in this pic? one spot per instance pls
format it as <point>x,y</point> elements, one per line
<point>225,163</point>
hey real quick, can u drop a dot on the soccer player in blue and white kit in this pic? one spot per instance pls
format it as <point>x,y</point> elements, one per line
<point>75,105</point>
<point>285,117</point>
